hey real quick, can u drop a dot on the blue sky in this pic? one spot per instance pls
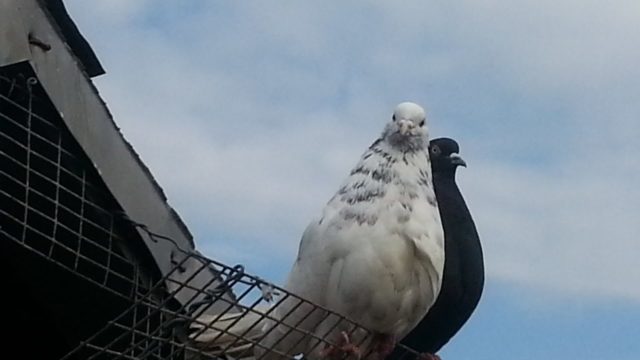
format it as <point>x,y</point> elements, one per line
<point>251,113</point>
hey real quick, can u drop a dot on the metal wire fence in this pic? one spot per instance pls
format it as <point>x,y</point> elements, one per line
<point>235,333</point>
<point>51,203</point>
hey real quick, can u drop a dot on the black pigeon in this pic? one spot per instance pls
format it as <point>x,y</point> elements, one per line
<point>463,278</point>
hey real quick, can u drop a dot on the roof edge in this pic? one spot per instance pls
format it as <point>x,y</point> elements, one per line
<point>68,30</point>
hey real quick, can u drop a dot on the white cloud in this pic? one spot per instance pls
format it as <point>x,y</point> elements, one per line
<point>251,115</point>
<point>568,232</point>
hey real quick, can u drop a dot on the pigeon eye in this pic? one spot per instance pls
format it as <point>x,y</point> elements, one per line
<point>435,150</point>
<point>422,122</point>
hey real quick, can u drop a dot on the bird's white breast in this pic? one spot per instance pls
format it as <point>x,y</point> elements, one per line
<point>382,241</point>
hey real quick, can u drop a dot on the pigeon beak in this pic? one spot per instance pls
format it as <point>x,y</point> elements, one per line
<point>457,160</point>
<point>405,127</point>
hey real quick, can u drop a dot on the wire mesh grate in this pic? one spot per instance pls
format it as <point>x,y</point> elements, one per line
<point>55,209</point>
<point>187,332</point>
<point>51,201</point>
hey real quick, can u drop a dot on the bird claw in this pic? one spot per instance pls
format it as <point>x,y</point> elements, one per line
<point>385,345</point>
<point>346,347</point>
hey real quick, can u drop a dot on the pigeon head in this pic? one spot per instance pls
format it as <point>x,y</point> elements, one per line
<point>407,129</point>
<point>444,155</point>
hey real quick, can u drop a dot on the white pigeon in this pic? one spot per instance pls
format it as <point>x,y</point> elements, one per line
<point>376,254</point>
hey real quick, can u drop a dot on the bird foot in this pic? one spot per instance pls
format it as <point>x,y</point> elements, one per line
<point>385,345</point>
<point>345,347</point>
<point>428,356</point>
